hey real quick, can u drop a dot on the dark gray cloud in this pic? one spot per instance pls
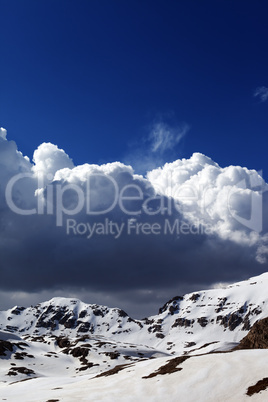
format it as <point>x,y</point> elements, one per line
<point>168,243</point>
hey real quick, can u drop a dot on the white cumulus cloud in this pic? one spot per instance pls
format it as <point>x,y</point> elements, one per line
<point>48,159</point>
<point>225,208</point>
<point>228,200</point>
<point>3,133</point>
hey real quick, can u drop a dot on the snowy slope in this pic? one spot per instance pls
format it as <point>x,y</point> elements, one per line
<point>63,342</point>
<point>208,378</point>
<point>223,315</point>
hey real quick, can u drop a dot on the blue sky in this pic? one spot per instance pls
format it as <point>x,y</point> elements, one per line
<point>141,82</point>
<point>94,76</point>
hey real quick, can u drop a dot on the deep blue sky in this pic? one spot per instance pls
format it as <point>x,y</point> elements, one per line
<point>92,75</point>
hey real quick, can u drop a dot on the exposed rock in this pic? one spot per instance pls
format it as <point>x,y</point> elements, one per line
<point>166,305</point>
<point>82,314</point>
<point>234,321</point>
<point>172,309</point>
<point>170,367</point>
<point>112,355</point>
<point>97,312</point>
<point>148,321</point>
<point>4,347</point>
<point>261,385</point>
<point>155,328</point>
<point>53,400</point>
<point>38,339</point>
<point>122,313</point>
<point>230,321</point>
<point>257,311</point>
<point>221,304</point>
<point>257,338</point>
<point>194,297</point>
<point>159,335</point>
<point>10,328</point>
<point>62,342</point>
<point>114,370</point>
<point>202,321</point>
<point>79,352</point>
<point>21,370</point>
<point>20,355</point>
<point>182,322</point>
<point>45,324</point>
<point>70,323</point>
<point>189,344</point>
<point>17,310</point>
<point>87,366</point>
<point>247,325</point>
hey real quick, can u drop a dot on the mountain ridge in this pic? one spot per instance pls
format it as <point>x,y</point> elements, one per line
<point>65,340</point>
<point>227,311</point>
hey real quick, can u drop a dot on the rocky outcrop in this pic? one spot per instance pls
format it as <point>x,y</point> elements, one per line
<point>257,337</point>
<point>171,305</point>
<point>5,346</point>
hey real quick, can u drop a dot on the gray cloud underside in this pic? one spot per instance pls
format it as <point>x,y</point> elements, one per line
<point>137,271</point>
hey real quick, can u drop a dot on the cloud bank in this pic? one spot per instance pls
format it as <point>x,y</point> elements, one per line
<point>104,233</point>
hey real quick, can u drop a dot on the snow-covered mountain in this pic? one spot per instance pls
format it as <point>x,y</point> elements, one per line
<point>71,341</point>
<point>222,315</point>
